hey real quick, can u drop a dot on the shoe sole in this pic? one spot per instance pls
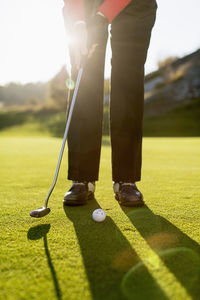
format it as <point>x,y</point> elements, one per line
<point>78,202</point>
<point>138,203</point>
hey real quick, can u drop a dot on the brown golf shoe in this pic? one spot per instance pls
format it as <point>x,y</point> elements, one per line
<point>127,194</point>
<point>79,193</point>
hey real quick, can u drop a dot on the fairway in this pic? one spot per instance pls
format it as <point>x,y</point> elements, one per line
<point>145,253</point>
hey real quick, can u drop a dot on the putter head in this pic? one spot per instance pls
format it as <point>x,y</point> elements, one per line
<point>40,212</point>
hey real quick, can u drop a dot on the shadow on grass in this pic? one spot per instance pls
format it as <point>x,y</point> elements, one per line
<point>36,233</point>
<point>178,251</point>
<point>107,256</point>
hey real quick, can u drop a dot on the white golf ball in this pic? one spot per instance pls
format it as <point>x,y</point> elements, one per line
<point>99,215</point>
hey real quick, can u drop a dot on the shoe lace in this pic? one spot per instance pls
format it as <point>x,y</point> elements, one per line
<point>80,185</point>
<point>77,186</point>
<point>128,187</point>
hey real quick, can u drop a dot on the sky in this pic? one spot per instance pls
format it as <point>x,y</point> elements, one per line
<point>33,40</point>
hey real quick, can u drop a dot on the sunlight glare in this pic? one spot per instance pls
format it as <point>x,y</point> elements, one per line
<point>70,84</point>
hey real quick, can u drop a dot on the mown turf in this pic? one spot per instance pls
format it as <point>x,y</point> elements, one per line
<point>146,253</point>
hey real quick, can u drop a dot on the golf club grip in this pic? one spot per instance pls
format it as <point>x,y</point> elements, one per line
<point>65,133</point>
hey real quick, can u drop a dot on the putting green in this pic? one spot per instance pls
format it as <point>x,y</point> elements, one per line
<point>145,253</point>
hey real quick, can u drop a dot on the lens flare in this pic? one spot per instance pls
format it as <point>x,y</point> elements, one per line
<point>70,84</point>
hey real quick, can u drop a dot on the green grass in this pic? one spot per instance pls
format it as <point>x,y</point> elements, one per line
<point>26,123</point>
<point>146,253</point>
<point>182,121</point>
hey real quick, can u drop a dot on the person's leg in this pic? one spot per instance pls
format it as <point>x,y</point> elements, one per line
<point>130,36</point>
<point>84,139</point>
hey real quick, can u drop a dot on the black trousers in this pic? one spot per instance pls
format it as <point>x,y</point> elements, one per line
<point>130,37</point>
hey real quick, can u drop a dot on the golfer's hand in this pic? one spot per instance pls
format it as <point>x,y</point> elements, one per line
<point>97,32</point>
<point>79,42</point>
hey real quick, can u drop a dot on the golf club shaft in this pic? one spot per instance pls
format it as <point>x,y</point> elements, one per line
<point>65,134</point>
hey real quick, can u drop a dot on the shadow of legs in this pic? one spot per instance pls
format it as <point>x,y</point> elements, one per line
<point>35,233</point>
<point>107,256</point>
<point>179,252</point>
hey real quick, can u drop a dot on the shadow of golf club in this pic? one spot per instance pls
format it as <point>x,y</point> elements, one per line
<point>107,256</point>
<point>36,233</point>
<point>178,251</point>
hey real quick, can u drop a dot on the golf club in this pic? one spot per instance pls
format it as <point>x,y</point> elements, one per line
<point>43,211</point>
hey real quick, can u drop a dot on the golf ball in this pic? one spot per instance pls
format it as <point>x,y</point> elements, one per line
<point>99,215</point>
